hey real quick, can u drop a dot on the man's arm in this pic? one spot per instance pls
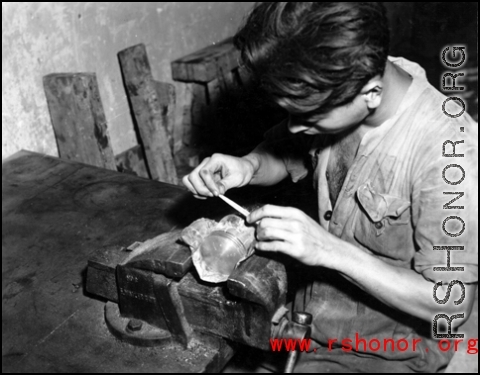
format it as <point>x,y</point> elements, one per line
<point>290,231</point>
<point>219,173</point>
<point>267,168</point>
<point>401,288</point>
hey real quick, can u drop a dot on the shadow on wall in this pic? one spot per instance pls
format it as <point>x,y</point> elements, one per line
<point>237,120</point>
<point>421,30</point>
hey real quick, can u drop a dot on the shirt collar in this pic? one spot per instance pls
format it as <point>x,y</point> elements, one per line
<point>373,138</point>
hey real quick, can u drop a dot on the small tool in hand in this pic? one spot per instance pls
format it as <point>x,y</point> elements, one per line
<point>239,208</point>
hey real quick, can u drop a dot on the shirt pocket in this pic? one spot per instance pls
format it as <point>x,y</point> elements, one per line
<point>383,224</point>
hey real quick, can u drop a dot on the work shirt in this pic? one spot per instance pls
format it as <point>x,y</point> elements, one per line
<point>392,206</point>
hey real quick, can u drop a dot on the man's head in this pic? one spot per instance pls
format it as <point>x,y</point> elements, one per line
<point>313,57</point>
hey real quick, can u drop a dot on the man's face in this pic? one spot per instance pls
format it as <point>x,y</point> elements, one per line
<point>337,120</point>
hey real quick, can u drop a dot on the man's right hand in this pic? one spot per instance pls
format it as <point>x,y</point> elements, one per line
<point>219,173</point>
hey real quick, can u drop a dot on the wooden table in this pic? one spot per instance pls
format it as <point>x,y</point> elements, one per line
<point>55,215</point>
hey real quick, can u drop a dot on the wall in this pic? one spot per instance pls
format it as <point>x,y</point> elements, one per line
<point>43,38</point>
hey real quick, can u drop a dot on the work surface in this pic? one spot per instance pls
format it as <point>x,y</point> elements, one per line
<point>55,215</point>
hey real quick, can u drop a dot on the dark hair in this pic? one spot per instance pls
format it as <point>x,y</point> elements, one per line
<point>312,57</point>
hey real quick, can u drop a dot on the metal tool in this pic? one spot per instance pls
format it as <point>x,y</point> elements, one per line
<point>156,298</point>
<point>300,328</point>
<point>239,208</point>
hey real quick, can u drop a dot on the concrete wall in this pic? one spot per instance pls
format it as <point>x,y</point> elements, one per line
<point>43,38</point>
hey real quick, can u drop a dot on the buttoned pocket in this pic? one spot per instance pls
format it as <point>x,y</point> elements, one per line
<point>383,223</point>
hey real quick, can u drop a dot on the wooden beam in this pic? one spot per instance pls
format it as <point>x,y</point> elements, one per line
<point>194,113</point>
<point>147,108</point>
<point>244,76</point>
<point>205,65</point>
<point>78,118</point>
<point>186,114</point>
<point>132,161</point>
<point>166,97</point>
<point>209,73</point>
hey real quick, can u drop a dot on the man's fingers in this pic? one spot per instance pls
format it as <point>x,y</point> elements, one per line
<point>209,180</point>
<point>271,228</point>
<point>188,184</point>
<point>279,246</point>
<point>190,187</point>
<point>272,233</point>
<point>195,183</point>
<point>198,185</point>
<point>273,211</point>
<point>215,175</point>
<point>199,196</point>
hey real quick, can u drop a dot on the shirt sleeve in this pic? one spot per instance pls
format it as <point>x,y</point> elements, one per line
<point>446,228</point>
<point>292,148</point>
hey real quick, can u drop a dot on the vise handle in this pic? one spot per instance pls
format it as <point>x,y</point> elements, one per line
<point>299,328</point>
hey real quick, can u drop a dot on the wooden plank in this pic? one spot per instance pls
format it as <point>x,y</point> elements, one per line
<point>244,76</point>
<point>142,92</point>
<point>199,106</point>
<point>194,113</point>
<point>220,92</point>
<point>202,66</point>
<point>132,161</point>
<point>215,89</point>
<point>78,118</point>
<point>185,119</point>
<point>167,98</point>
<point>224,74</point>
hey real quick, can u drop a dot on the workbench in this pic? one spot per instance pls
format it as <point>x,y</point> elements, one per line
<point>55,215</point>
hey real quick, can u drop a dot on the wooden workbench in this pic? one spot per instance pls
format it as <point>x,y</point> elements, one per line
<point>55,215</point>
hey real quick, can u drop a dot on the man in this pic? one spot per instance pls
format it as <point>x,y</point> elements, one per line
<point>374,130</point>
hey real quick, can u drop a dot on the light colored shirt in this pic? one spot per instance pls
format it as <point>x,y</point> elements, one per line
<point>391,205</point>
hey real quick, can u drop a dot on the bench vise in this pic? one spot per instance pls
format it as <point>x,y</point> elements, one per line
<point>155,296</point>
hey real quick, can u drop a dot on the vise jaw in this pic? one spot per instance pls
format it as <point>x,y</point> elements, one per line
<point>154,282</point>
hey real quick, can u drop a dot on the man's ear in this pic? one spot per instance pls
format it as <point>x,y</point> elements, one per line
<point>372,92</point>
